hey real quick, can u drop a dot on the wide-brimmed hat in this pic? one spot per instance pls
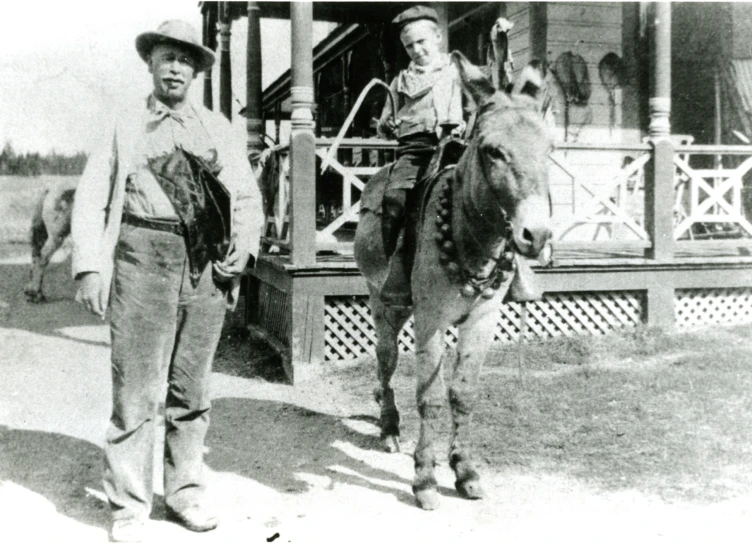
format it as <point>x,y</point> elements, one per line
<point>180,33</point>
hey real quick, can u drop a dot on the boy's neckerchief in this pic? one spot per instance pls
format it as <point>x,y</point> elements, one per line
<point>416,79</point>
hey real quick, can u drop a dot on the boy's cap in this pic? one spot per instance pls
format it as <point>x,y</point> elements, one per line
<point>415,13</point>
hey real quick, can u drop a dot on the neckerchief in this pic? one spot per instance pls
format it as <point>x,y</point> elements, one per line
<point>416,79</point>
<point>159,112</point>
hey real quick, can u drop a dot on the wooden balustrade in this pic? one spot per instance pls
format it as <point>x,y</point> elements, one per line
<point>600,194</point>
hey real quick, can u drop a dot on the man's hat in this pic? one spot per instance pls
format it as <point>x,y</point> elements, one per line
<point>179,33</point>
<point>415,13</point>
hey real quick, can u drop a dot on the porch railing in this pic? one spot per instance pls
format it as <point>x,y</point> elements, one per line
<point>598,194</point>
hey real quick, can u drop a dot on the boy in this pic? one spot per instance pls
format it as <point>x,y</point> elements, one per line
<point>429,99</point>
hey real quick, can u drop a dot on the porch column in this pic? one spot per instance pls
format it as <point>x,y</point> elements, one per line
<point>660,88</point>
<point>302,139</point>
<point>225,71</point>
<point>441,11</point>
<point>254,115</point>
<point>659,190</point>
<point>210,41</point>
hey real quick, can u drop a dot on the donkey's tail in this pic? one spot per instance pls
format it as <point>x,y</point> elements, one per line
<point>38,229</point>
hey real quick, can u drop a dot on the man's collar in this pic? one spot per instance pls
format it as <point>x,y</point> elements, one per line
<point>160,110</point>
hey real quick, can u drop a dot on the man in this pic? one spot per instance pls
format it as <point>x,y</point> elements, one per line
<point>429,98</point>
<point>149,229</point>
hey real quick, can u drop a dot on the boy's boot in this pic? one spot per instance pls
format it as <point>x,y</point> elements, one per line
<point>396,290</point>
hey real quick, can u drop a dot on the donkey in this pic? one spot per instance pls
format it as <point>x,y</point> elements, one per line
<point>475,217</point>
<point>50,226</point>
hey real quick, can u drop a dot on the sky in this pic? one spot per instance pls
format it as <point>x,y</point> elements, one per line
<point>64,66</point>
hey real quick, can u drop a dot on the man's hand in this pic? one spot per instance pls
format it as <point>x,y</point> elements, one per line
<point>92,293</point>
<point>233,265</point>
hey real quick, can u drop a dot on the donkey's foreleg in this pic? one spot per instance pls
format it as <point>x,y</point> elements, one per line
<point>475,337</point>
<point>431,396</point>
<point>388,322</point>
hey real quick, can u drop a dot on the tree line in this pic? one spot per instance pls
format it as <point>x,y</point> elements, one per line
<point>37,164</point>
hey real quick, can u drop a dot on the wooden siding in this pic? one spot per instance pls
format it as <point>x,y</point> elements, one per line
<point>591,31</point>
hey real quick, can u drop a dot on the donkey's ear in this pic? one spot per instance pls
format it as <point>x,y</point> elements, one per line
<point>474,81</point>
<point>530,81</point>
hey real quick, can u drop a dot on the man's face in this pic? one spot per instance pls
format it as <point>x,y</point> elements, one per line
<point>421,40</point>
<point>173,70</point>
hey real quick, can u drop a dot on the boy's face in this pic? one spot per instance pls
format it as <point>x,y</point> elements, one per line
<point>421,40</point>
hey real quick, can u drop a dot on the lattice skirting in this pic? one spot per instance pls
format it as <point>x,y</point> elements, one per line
<point>700,307</point>
<point>349,330</point>
<point>273,311</point>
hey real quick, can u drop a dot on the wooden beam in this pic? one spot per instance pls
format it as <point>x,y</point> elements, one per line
<point>225,70</point>
<point>442,12</point>
<point>210,40</point>
<point>302,139</point>
<point>253,113</point>
<point>538,31</point>
<point>660,97</point>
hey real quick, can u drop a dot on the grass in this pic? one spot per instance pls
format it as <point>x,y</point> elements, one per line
<point>668,415</point>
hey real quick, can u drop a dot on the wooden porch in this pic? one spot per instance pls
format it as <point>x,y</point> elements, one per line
<point>654,232</point>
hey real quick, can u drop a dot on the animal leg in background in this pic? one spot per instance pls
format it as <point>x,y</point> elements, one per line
<point>388,322</point>
<point>50,227</point>
<point>475,337</point>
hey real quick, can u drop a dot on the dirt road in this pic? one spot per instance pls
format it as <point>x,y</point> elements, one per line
<point>289,464</point>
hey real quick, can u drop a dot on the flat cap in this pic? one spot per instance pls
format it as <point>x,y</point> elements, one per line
<point>415,13</point>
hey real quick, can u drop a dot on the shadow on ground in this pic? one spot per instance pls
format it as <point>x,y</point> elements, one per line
<point>273,442</point>
<point>58,467</point>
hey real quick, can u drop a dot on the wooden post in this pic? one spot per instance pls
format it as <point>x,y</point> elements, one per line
<point>538,32</point>
<point>302,139</point>
<point>225,70</point>
<point>660,97</point>
<point>659,190</point>
<point>210,41</point>
<point>442,12</point>
<point>305,310</point>
<point>254,122</point>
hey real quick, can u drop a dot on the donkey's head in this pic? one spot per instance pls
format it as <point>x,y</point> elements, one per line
<point>507,155</point>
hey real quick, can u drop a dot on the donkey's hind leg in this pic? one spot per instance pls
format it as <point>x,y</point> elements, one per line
<point>388,321</point>
<point>475,337</point>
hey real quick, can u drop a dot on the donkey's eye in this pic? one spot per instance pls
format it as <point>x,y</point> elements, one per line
<point>497,154</point>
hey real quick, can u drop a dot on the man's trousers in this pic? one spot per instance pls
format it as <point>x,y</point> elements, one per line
<point>161,328</point>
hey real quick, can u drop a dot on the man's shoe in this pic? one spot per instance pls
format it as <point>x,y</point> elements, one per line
<point>194,518</point>
<point>128,530</point>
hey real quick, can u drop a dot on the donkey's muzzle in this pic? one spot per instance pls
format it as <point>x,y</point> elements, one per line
<point>531,240</point>
<point>530,226</point>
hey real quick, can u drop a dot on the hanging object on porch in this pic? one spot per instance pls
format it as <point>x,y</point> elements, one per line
<point>499,55</point>
<point>612,72</point>
<point>572,75</point>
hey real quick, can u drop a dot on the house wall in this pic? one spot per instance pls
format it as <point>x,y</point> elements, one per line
<point>593,30</point>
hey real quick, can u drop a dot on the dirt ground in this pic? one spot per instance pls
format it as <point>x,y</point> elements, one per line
<point>288,464</point>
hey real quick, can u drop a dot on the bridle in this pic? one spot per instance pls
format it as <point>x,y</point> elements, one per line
<point>503,264</point>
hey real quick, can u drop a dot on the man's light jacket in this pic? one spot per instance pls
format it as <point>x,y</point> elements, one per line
<point>100,195</point>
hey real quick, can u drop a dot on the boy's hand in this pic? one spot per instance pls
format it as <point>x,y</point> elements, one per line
<point>388,128</point>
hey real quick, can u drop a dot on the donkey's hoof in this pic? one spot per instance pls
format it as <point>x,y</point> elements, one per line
<point>470,488</point>
<point>34,297</point>
<point>428,499</point>
<point>391,444</point>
